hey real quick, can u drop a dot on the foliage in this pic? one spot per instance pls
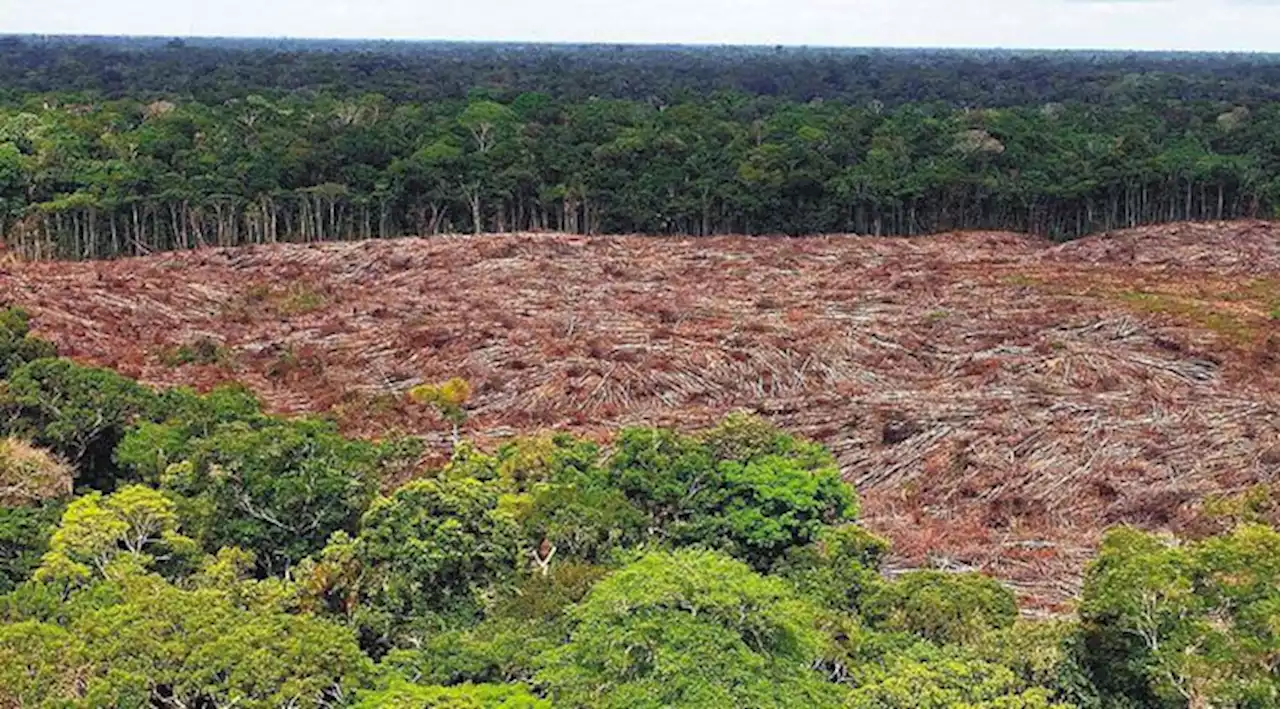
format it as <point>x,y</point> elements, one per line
<point>930,679</point>
<point>496,651</point>
<point>273,486</point>
<point>434,549</point>
<point>39,664</point>
<point>82,176</point>
<point>689,628</point>
<point>154,643</point>
<point>17,345</point>
<point>545,597</point>
<point>525,621</point>
<point>537,77</point>
<point>202,350</point>
<point>525,463</point>
<point>554,486</point>
<point>467,696</point>
<point>941,607</point>
<point>838,569</point>
<point>181,417</point>
<point>716,569</point>
<point>1046,654</point>
<point>774,494</point>
<point>95,530</point>
<point>1172,625</point>
<point>79,413</point>
<point>24,538</point>
<point>449,398</point>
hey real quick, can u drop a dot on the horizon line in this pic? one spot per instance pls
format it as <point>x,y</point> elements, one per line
<point>630,44</point>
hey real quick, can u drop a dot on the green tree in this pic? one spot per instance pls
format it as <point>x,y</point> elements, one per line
<point>196,648</point>
<point>181,418</point>
<point>95,530</point>
<point>17,345</point>
<point>24,539</point>
<point>434,549</point>
<point>931,679</point>
<point>1178,625</point>
<point>80,413</point>
<point>449,398</point>
<point>467,696</point>
<point>689,628</point>
<point>276,487</point>
<point>838,569</point>
<point>41,665</point>
<point>748,489</point>
<point>522,622</point>
<point>941,607</point>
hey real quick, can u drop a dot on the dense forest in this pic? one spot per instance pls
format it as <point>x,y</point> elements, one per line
<point>215,70</point>
<point>111,148</point>
<point>163,548</point>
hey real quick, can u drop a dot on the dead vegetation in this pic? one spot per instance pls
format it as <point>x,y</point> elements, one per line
<point>998,400</point>
<point>30,475</point>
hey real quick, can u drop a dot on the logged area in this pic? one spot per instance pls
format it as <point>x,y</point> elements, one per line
<point>998,400</point>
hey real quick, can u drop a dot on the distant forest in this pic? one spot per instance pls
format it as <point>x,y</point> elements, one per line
<point>115,147</point>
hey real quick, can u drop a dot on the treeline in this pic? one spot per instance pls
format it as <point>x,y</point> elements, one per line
<point>215,70</point>
<point>108,178</point>
<point>171,549</point>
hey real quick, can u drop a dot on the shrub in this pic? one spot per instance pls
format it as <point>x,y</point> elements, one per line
<point>202,350</point>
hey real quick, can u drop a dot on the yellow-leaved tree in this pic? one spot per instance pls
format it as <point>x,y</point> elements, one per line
<point>449,398</point>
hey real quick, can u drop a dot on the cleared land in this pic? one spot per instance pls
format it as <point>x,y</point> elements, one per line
<point>998,400</point>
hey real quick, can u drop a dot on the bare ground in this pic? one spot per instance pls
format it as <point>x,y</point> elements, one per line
<point>998,400</point>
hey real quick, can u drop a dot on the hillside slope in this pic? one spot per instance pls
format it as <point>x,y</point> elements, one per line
<point>998,400</point>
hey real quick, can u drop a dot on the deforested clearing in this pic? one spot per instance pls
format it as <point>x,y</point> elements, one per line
<point>998,400</point>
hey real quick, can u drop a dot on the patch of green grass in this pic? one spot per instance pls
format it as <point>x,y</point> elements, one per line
<point>202,350</point>
<point>300,299</point>
<point>296,299</point>
<point>1266,290</point>
<point>1222,323</point>
<point>1018,279</point>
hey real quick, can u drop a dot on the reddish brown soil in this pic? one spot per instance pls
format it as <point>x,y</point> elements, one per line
<point>998,400</point>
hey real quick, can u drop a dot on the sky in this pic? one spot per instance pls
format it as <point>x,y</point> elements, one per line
<point>1217,25</point>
